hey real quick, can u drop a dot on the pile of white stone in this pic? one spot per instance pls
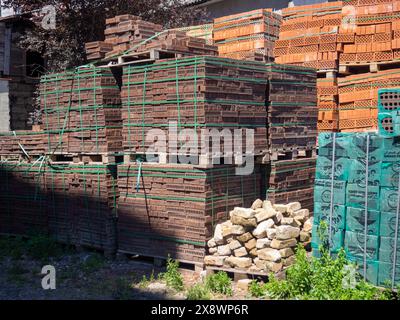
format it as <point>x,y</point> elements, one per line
<point>260,239</point>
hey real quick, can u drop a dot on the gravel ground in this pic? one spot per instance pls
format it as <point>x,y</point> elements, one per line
<point>88,276</point>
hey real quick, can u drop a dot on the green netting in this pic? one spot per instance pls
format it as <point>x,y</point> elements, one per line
<point>48,192</point>
<point>64,94</point>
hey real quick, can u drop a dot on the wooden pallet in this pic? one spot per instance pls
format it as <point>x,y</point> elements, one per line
<point>198,161</point>
<point>159,261</point>
<point>328,73</point>
<point>93,158</point>
<point>355,67</point>
<point>287,155</point>
<point>243,274</point>
<point>146,57</point>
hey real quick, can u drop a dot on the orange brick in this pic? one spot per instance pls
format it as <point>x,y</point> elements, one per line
<point>396,44</point>
<point>349,48</point>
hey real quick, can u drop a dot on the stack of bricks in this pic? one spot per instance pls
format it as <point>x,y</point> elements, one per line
<point>21,144</point>
<point>358,98</point>
<point>97,50</point>
<point>247,36</point>
<point>196,93</point>
<point>203,31</point>
<point>74,203</point>
<point>81,111</point>
<point>309,37</point>
<point>174,208</point>
<point>291,180</point>
<point>121,33</point>
<point>368,61</point>
<point>178,42</point>
<point>292,108</point>
<point>374,36</point>
<point>277,101</point>
<point>363,37</point>
<point>129,34</point>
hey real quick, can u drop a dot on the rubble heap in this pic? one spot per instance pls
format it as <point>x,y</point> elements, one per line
<point>261,238</point>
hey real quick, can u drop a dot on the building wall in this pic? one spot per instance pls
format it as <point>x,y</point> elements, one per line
<point>228,7</point>
<point>4,106</point>
<point>17,89</point>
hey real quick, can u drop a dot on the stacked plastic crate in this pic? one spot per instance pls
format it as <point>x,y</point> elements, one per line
<point>357,195</point>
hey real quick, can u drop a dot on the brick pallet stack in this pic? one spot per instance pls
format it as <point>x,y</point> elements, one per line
<point>81,112</point>
<point>292,131</point>
<point>359,98</point>
<point>368,61</point>
<point>74,203</point>
<point>292,108</point>
<point>247,36</point>
<point>196,93</point>
<point>129,34</point>
<point>177,205</point>
<point>66,188</point>
<point>204,31</point>
<point>121,33</point>
<point>350,39</point>
<point>174,208</point>
<point>21,144</point>
<point>309,37</point>
<point>208,93</point>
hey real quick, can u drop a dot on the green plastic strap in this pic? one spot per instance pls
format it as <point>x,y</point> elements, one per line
<point>95,111</point>
<point>139,175</point>
<point>129,111</point>
<point>366,207</point>
<point>332,190</point>
<point>143,108</point>
<point>177,94</point>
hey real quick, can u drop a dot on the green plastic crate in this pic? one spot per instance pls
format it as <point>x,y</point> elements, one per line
<point>355,221</point>
<point>354,245</point>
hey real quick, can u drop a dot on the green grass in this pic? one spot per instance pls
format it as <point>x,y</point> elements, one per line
<point>122,289</point>
<point>93,263</point>
<point>38,246</point>
<point>172,277</point>
<point>16,273</point>
<point>199,292</point>
<point>219,283</point>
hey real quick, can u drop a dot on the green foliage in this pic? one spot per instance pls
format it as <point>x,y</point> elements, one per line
<point>42,247</point>
<point>12,247</point>
<point>38,246</point>
<point>16,273</point>
<point>324,278</point>
<point>172,277</point>
<point>323,235</point>
<point>93,263</point>
<point>122,290</point>
<point>219,283</point>
<point>145,282</point>
<point>257,289</point>
<point>199,292</point>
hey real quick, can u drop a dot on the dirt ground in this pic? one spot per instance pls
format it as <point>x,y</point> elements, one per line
<point>89,276</point>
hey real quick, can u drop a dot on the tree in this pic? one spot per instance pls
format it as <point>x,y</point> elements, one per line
<point>81,21</point>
